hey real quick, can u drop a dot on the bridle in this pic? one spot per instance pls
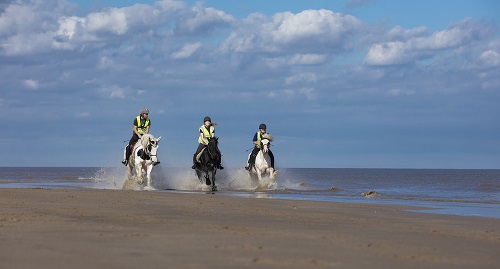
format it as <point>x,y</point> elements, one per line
<point>147,150</point>
<point>268,144</point>
<point>212,145</point>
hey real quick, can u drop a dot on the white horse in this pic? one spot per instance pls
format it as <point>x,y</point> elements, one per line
<point>262,170</point>
<point>142,159</point>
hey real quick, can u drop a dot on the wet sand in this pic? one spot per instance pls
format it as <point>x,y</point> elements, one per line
<point>42,228</point>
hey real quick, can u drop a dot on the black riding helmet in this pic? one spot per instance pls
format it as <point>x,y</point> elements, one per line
<point>262,126</point>
<point>207,119</point>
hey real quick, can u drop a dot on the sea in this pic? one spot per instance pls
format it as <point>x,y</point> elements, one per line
<point>434,191</point>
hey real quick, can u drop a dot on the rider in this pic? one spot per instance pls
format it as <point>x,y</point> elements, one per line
<point>207,131</point>
<point>256,141</point>
<point>141,127</point>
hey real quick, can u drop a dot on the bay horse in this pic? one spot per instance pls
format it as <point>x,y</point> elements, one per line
<point>207,163</point>
<point>142,159</point>
<point>262,170</point>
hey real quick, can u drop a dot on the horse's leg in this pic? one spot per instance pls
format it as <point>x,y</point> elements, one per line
<point>129,171</point>
<point>272,174</point>
<point>139,174</point>
<point>214,188</point>
<point>207,179</point>
<point>148,175</point>
<point>259,174</point>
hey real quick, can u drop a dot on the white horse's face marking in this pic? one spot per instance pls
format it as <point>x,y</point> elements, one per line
<point>154,148</point>
<point>265,145</point>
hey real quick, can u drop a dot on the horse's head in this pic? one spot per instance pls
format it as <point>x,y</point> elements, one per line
<point>150,145</point>
<point>213,147</point>
<point>265,143</point>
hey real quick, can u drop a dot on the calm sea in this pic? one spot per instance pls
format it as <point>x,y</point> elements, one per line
<point>459,192</point>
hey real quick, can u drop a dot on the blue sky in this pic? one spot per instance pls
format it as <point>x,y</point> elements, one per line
<point>347,84</point>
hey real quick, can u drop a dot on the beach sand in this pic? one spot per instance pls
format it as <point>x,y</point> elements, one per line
<point>44,228</point>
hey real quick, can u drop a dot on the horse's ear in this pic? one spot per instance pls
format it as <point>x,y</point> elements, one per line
<point>158,140</point>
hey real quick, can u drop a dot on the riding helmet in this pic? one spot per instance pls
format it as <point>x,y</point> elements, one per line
<point>207,119</point>
<point>144,111</point>
<point>262,126</point>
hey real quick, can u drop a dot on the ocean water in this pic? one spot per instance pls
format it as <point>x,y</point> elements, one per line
<point>457,192</point>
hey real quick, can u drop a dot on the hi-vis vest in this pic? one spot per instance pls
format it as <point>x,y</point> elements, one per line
<point>259,138</point>
<point>207,133</point>
<point>141,128</point>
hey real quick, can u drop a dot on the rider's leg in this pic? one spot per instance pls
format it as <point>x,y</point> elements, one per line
<point>219,161</point>
<point>128,149</point>
<point>251,160</point>
<point>200,147</point>
<point>271,156</point>
<point>125,155</point>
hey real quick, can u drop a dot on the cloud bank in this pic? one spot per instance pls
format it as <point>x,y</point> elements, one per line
<point>355,90</point>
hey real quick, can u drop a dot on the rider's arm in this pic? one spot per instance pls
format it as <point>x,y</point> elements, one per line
<point>136,132</point>
<point>203,138</point>
<point>254,140</point>
<point>135,128</point>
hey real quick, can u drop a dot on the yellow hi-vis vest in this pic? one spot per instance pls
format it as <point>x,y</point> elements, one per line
<point>259,138</point>
<point>141,128</point>
<point>207,133</point>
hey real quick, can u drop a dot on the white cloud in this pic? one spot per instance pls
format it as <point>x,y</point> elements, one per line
<point>308,93</point>
<point>420,47</point>
<point>307,59</point>
<point>113,92</point>
<point>202,20</point>
<point>399,33</point>
<point>309,30</point>
<point>491,57</point>
<point>399,92</point>
<point>31,84</point>
<point>186,51</point>
<point>301,78</point>
<point>68,26</point>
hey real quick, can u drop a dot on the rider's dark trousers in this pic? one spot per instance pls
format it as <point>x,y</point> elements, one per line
<point>255,151</point>
<point>131,143</point>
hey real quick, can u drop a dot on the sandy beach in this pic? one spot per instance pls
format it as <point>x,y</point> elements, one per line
<point>44,228</point>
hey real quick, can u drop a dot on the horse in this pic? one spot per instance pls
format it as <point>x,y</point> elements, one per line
<point>142,159</point>
<point>207,163</point>
<point>262,166</point>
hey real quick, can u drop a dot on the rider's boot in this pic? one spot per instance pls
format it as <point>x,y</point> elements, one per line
<point>249,166</point>
<point>127,155</point>
<point>251,161</point>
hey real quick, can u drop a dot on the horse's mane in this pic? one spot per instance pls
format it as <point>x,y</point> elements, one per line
<point>145,140</point>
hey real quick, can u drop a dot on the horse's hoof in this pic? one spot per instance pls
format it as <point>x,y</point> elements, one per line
<point>214,188</point>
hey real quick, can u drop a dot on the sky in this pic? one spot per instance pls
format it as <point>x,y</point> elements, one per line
<point>340,84</point>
